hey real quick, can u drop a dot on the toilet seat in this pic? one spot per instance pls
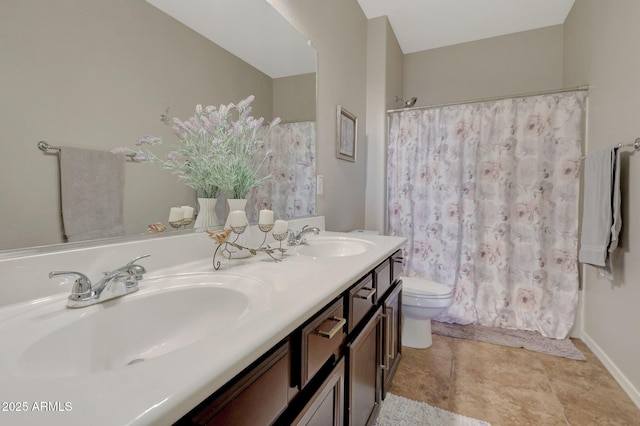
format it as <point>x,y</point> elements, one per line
<point>424,289</point>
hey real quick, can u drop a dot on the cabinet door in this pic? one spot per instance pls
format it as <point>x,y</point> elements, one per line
<point>392,337</point>
<point>364,374</point>
<point>326,406</point>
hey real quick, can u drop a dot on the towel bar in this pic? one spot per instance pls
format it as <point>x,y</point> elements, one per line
<point>635,145</point>
<point>44,146</point>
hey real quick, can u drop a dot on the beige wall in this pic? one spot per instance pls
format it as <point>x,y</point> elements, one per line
<point>294,98</point>
<point>384,83</point>
<point>338,30</point>
<point>98,74</point>
<point>601,49</point>
<point>517,63</point>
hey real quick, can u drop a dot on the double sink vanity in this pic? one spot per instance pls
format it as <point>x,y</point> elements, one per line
<point>315,337</point>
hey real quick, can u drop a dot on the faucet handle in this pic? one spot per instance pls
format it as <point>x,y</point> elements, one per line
<point>80,286</point>
<point>136,272</point>
<point>291,237</point>
<point>138,258</point>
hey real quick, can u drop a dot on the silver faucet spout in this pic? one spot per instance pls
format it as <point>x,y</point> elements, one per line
<point>300,237</point>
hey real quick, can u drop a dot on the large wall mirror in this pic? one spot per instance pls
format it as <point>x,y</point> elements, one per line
<point>100,74</point>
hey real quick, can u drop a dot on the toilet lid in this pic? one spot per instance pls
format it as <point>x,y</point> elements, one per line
<point>418,287</point>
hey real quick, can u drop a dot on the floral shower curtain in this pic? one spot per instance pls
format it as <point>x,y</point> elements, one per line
<point>487,194</point>
<point>293,162</point>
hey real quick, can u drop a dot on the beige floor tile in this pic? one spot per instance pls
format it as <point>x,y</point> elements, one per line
<point>512,386</point>
<point>503,386</point>
<point>425,375</point>
<point>589,393</point>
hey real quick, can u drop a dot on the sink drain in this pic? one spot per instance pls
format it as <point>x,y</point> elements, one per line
<point>135,361</point>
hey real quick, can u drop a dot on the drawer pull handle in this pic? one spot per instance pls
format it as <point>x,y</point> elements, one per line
<point>382,346</point>
<point>368,296</point>
<point>340,322</point>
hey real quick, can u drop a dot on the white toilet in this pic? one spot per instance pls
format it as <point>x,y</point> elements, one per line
<point>421,300</point>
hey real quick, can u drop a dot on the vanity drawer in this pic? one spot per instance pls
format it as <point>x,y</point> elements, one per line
<point>322,339</point>
<point>397,260</point>
<point>382,279</point>
<point>361,299</point>
<point>257,396</point>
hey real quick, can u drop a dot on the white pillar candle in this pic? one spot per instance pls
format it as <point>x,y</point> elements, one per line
<point>188,212</point>
<point>266,217</point>
<point>280,227</point>
<point>237,218</point>
<point>175,214</point>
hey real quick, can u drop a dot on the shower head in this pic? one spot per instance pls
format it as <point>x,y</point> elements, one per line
<point>407,103</point>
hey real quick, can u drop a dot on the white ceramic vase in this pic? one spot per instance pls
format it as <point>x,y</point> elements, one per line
<point>243,239</point>
<point>207,216</point>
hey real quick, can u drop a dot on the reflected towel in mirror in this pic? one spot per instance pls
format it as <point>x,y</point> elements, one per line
<point>92,193</point>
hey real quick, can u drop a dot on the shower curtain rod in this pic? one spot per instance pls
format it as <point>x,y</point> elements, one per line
<point>497,98</point>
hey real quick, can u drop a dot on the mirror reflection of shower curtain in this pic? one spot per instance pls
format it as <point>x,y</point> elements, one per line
<point>487,194</point>
<point>292,193</point>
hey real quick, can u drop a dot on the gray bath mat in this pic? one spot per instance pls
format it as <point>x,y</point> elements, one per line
<point>399,411</point>
<point>530,340</point>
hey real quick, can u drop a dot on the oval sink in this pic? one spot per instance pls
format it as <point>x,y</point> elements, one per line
<point>174,313</point>
<point>333,247</point>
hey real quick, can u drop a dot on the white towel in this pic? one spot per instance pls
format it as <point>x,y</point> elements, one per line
<point>92,193</point>
<point>601,219</point>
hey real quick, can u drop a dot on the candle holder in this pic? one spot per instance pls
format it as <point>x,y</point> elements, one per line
<point>181,223</point>
<point>224,245</point>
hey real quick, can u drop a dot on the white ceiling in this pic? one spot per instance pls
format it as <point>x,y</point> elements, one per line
<point>250,29</point>
<point>428,24</point>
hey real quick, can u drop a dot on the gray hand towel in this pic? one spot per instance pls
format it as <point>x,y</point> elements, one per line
<point>601,219</point>
<point>92,193</point>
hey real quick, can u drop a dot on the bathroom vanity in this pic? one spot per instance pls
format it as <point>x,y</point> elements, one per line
<point>338,363</point>
<point>316,336</point>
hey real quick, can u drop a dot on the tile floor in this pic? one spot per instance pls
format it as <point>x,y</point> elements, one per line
<point>510,386</point>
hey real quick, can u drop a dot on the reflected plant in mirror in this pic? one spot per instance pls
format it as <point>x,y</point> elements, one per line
<point>214,150</point>
<point>218,148</point>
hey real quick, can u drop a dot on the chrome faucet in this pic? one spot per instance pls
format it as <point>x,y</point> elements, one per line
<point>300,237</point>
<point>120,281</point>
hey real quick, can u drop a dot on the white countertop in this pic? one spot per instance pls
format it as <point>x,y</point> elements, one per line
<point>163,389</point>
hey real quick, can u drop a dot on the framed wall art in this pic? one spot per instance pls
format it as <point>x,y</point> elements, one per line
<point>347,138</point>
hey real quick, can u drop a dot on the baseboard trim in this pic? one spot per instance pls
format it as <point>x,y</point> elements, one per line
<point>622,380</point>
